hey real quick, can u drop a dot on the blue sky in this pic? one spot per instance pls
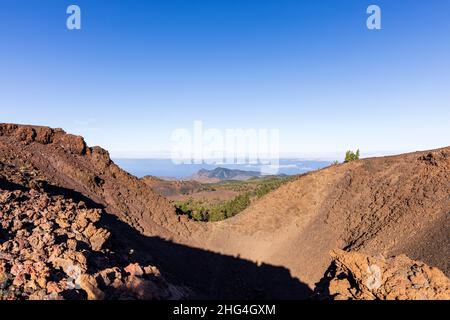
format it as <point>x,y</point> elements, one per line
<point>140,69</point>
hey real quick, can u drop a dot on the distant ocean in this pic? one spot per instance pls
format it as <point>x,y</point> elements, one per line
<point>166,168</point>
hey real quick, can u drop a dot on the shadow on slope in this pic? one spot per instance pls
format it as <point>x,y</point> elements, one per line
<point>209,275</point>
<point>10,186</point>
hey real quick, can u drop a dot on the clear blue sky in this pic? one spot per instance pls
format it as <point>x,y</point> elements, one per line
<point>140,69</point>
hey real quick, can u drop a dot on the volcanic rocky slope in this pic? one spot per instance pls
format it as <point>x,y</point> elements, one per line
<point>64,160</point>
<point>389,205</point>
<point>278,247</point>
<point>355,276</point>
<point>52,247</point>
<point>142,223</point>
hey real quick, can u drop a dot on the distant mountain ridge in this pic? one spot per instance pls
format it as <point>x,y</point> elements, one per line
<point>221,174</point>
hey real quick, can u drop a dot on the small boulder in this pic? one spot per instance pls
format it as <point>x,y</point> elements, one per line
<point>89,284</point>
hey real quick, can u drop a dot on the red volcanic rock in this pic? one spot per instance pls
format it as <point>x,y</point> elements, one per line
<point>134,269</point>
<point>65,161</point>
<point>89,284</point>
<point>26,134</point>
<point>52,247</point>
<point>44,135</point>
<point>71,143</point>
<point>357,276</point>
<point>8,129</point>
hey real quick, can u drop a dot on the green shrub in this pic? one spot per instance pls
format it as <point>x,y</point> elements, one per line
<point>204,211</point>
<point>268,186</point>
<point>351,156</point>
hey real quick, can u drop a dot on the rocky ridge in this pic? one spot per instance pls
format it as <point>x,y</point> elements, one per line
<point>65,160</point>
<point>355,276</point>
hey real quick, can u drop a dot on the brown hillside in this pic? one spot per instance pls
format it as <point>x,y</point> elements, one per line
<point>143,224</point>
<point>65,161</point>
<point>390,205</point>
<point>387,205</point>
